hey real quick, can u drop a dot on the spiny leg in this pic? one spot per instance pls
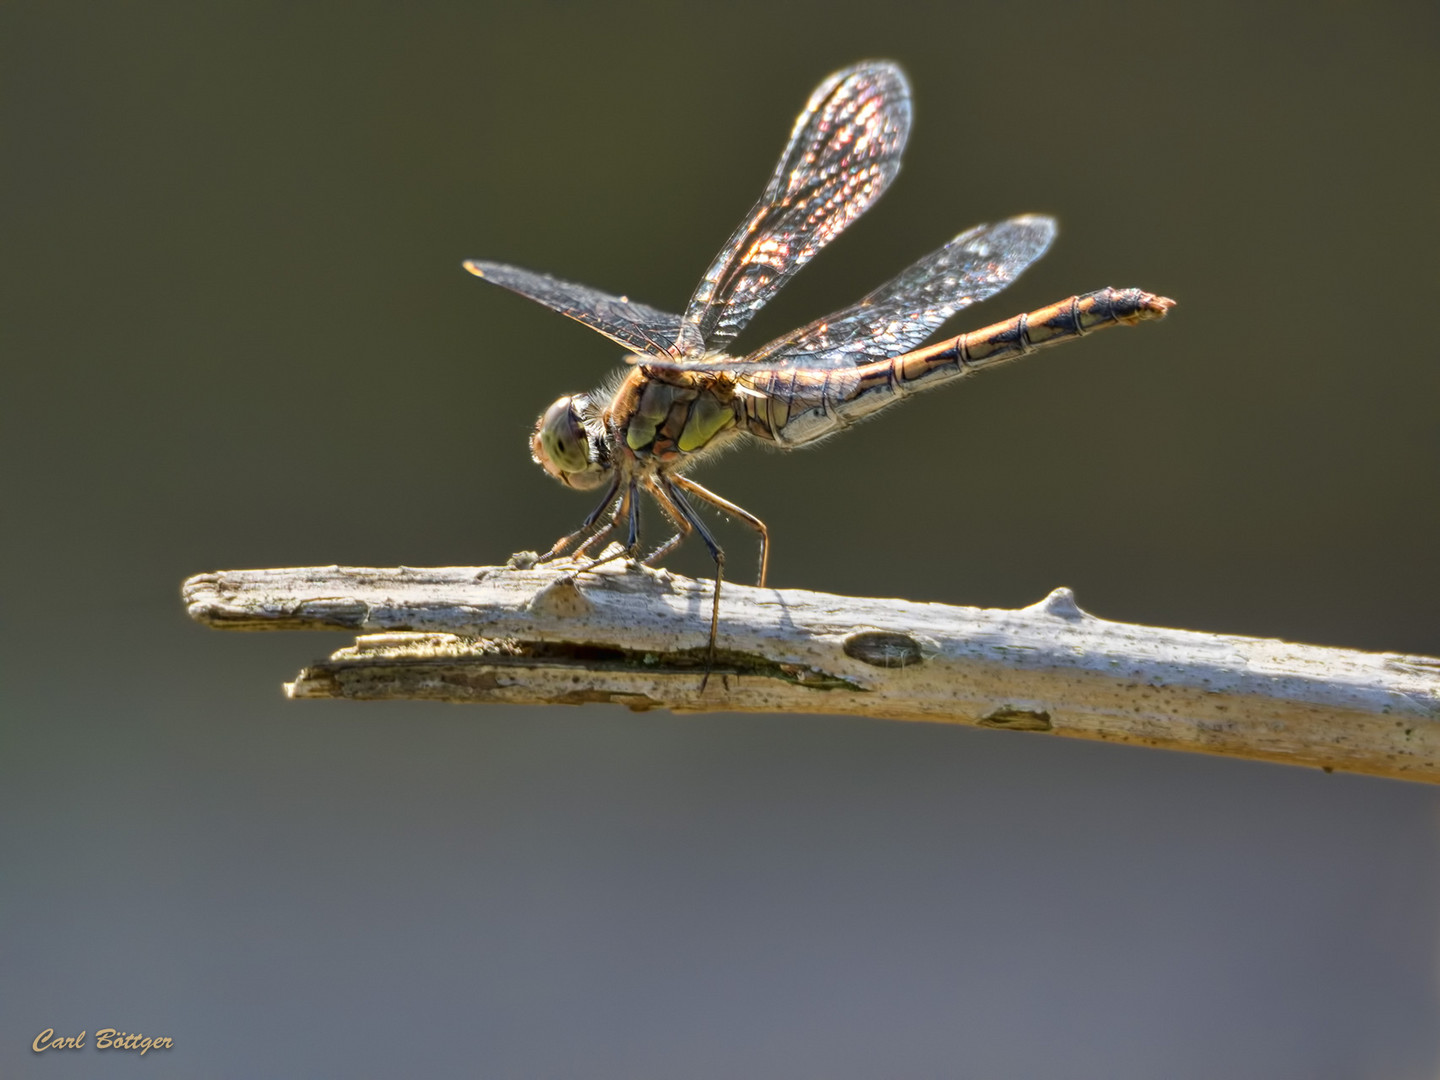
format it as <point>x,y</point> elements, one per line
<point>676,518</point>
<point>727,507</point>
<point>629,506</point>
<point>621,505</point>
<point>688,513</point>
<point>562,545</point>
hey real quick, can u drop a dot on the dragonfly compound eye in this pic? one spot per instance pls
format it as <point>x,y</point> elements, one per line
<point>561,445</point>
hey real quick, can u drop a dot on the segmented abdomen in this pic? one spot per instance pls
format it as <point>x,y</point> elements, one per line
<point>799,406</point>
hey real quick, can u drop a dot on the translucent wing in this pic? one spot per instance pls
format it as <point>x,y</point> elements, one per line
<point>902,313</point>
<point>906,310</point>
<point>638,327</point>
<point>844,150</point>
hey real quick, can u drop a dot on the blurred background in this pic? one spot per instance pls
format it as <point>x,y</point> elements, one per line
<point>237,334</point>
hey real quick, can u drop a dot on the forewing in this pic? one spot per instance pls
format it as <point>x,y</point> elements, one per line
<point>844,150</point>
<point>638,327</point>
<point>902,313</point>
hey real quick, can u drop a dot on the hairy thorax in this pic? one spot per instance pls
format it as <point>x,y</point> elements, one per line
<point>664,417</point>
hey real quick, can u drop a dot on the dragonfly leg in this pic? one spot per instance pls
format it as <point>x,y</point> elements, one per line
<point>629,506</point>
<point>681,504</point>
<point>563,544</point>
<point>740,514</point>
<point>677,519</point>
<point>622,506</point>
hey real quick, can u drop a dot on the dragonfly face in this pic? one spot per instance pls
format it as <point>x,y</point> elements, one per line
<point>685,395</point>
<point>569,447</point>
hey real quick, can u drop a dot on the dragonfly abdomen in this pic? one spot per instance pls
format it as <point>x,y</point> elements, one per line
<point>795,406</point>
<point>1023,334</point>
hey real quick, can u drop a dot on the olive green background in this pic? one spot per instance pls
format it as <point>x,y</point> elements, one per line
<point>236,333</point>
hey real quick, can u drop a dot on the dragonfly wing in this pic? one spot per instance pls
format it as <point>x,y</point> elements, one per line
<point>902,313</point>
<point>844,150</point>
<point>637,327</point>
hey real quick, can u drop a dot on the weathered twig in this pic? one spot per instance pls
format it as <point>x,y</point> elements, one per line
<point>638,637</point>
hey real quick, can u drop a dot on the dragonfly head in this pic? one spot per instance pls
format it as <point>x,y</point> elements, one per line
<point>569,443</point>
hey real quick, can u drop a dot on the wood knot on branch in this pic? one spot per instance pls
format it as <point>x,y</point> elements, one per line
<point>1060,604</point>
<point>1013,719</point>
<point>561,599</point>
<point>884,649</point>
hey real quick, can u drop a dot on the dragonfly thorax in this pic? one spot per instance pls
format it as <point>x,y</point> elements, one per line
<point>570,444</point>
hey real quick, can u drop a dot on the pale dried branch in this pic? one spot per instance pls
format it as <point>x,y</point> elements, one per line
<point>638,638</point>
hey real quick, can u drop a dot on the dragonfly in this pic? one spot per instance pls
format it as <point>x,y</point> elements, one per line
<point>683,397</point>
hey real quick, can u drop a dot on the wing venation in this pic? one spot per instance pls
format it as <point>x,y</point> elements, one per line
<point>901,314</point>
<point>843,152</point>
<point>638,327</point>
